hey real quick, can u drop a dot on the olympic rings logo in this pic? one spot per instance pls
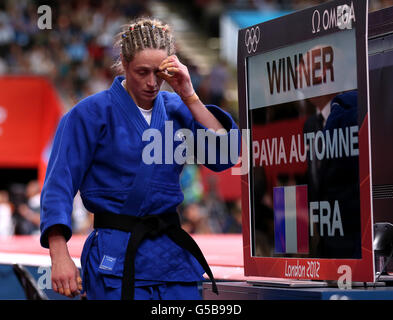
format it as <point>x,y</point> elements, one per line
<point>252,39</point>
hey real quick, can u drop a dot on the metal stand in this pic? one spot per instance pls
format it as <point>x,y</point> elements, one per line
<point>293,283</point>
<point>29,285</point>
<point>288,283</point>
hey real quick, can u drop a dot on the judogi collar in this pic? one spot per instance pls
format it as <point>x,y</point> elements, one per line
<point>130,109</point>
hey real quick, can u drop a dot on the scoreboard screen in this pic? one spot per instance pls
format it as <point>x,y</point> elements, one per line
<point>303,97</point>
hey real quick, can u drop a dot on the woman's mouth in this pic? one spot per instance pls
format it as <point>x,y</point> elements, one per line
<point>150,92</point>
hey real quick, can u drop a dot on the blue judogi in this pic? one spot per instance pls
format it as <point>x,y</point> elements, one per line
<point>98,150</point>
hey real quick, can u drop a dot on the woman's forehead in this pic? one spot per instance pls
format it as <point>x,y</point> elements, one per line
<point>149,57</point>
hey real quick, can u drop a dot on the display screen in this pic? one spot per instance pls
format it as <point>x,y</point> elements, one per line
<point>304,149</point>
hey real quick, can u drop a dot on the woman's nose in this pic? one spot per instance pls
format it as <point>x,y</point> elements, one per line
<point>152,80</point>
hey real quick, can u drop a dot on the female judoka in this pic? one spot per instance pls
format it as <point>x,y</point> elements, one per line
<point>137,249</point>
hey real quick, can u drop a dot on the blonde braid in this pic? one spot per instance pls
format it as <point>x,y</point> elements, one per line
<point>143,33</point>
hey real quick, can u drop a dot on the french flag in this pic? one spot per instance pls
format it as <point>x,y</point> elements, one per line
<point>291,219</point>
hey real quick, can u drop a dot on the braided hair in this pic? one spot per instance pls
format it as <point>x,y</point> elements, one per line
<point>140,34</point>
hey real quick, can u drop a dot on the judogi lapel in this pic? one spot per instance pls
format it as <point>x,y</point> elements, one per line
<point>139,188</point>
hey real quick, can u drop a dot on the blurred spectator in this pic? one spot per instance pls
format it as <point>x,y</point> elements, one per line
<point>98,81</point>
<point>234,219</point>
<point>218,80</point>
<point>218,212</point>
<point>30,210</point>
<point>196,219</point>
<point>96,52</point>
<point>190,182</point>
<point>40,62</point>
<point>6,221</point>
<point>6,33</point>
<point>17,195</point>
<point>196,77</point>
<point>301,4</point>
<point>266,5</point>
<point>76,49</point>
<point>3,67</point>
<point>377,5</point>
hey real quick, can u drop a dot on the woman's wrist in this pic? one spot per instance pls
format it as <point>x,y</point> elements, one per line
<point>190,99</point>
<point>57,243</point>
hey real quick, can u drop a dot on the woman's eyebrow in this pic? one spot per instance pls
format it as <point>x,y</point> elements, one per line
<point>142,68</point>
<point>147,68</point>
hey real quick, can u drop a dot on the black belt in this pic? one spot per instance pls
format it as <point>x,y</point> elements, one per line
<point>149,227</point>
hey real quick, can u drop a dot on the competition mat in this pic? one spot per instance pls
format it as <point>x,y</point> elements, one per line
<point>223,252</point>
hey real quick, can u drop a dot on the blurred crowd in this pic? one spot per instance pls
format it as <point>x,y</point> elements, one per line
<point>77,56</point>
<point>77,53</point>
<point>20,208</point>
<point>206,13</point>
<point>200,213</point>
<point>20,211</point>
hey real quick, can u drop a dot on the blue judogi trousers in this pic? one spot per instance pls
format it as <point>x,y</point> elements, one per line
<point>100,286</point>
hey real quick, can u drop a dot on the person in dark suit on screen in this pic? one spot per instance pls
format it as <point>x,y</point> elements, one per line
<point>339,181</point>
<point>314,123</point>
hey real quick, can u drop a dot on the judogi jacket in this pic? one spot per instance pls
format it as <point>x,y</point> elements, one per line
<point>98,149</point>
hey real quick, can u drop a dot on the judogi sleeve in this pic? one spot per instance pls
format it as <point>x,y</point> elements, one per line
<point>72,152</point>
<point>217,151</point>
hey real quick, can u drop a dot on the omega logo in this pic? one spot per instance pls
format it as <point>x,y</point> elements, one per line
<point>340,17</point>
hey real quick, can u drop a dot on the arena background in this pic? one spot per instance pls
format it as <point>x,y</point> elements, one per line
<point>45,72</point>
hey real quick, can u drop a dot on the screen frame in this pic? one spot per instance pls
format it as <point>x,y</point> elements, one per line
<point>299,27</point>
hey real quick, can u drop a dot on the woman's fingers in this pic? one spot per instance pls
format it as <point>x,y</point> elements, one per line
<point>169,59</point>
<point>171,64</point>
<point>173,70</point>
<point>68,287</point>
<point>73,287</point>
<point>164,75</point>
<point>79,282</point>
<point>55,286</point>
<point>176,74</point>
<point>167,65</point>
<point>60,288</point>
<point>168,72</point>
<point>169,75</point>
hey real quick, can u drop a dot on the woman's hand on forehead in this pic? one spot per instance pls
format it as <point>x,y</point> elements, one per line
<point>170,65</point>
<point>177,76</point>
